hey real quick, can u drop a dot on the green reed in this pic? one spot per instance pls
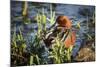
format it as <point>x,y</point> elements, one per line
<point>18,47</point>
<point>25,18</point>
<point>51,15</point>
<point>41,21</point>
<point>34,60</point>
<point>59,53</point>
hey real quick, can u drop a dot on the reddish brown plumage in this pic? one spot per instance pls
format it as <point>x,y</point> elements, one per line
<point>70,41</point>
<point>64,21</point>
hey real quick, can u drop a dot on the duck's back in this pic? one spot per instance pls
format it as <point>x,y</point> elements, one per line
<point>70,40</point>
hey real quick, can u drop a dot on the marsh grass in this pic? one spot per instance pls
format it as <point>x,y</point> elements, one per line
<point>20,55</point>
<point>59,53</point>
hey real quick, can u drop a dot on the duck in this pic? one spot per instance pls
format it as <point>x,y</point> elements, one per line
<point>65,23</point>
<point>64,26</point>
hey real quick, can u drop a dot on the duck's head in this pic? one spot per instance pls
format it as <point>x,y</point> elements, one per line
<point>64,21</point>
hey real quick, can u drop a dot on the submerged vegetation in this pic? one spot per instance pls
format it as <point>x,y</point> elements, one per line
<point>34,51</point>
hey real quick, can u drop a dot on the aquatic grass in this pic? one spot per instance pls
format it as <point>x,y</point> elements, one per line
<point>38,60</point>
<point>41,22</point>
<point>19,38</point>
<point>52,16</point>
<point>34,59</point>
<point>25,8</point>
<point>13,41</point>
<point>69,52</point>
<point>44,19</point>
<point>93,17</point>
<point>41,19</point>
<point>78,25</point>
<point>26,20</point>
<point>18,47</point>
<point>59,53</point>
<point>31,60</point>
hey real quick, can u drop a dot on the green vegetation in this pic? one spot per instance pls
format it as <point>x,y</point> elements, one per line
<point>23,53</point>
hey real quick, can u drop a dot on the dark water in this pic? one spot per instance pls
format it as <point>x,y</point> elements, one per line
<point>72,11</point>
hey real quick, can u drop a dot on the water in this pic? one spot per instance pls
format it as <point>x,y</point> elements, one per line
<point>72,11</point>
